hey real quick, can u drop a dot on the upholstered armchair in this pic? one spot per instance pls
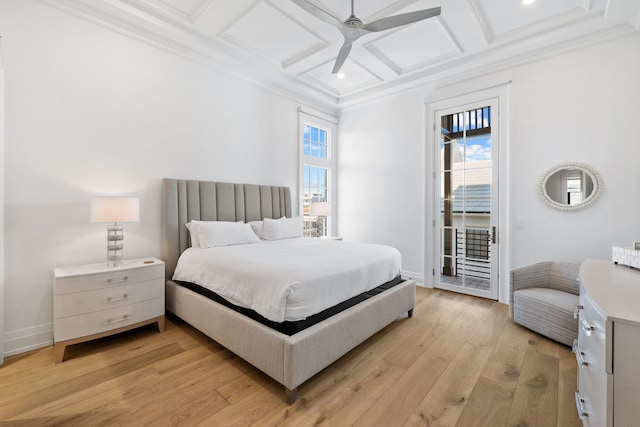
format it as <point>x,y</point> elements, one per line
<point>543,297</point>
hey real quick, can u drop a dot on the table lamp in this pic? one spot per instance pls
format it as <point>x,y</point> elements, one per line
<point>115,210</point>
<point>320,210</point>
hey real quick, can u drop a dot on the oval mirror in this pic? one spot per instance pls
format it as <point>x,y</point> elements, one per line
<point>570,186</point>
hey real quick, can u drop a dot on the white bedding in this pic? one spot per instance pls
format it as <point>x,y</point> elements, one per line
<point>289,279</point>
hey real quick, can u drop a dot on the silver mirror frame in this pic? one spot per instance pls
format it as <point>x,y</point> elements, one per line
<point>598,185</point>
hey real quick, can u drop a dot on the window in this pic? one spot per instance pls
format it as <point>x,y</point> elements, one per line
<point>317,144</point>
<point>574,190</point>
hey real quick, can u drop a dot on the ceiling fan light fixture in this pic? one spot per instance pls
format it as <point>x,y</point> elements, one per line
<point>340,75</point>
<point>353,28</point>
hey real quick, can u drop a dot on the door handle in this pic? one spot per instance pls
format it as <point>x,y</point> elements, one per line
<point>493,234</point>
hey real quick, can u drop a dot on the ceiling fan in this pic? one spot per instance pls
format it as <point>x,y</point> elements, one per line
<point>353,28</point>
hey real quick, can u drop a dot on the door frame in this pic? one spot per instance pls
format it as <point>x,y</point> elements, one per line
<point>452,99</point>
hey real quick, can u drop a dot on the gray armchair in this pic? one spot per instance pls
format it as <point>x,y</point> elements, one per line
<point>543,297</point>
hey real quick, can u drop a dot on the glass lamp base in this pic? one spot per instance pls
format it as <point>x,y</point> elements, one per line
<point>115,244</point>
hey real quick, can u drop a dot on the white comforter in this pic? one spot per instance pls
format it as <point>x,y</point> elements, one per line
<point>289,279</point>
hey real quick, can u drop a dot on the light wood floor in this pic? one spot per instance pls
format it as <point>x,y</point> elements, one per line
<point>458,362</point>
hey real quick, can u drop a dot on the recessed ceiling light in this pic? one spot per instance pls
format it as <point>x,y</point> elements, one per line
<point>528,2</point>
<point>340,75</point>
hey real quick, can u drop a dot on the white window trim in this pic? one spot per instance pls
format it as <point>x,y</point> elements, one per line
<point>330,124</point>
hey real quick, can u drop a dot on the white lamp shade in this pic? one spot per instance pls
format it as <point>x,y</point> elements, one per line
<point>320,209</point>
<point>115,209</point>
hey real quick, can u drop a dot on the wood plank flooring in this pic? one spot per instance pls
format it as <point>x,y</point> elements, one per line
<point>458,362</point>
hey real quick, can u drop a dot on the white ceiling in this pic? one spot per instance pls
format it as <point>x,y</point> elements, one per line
<point>278,44</point>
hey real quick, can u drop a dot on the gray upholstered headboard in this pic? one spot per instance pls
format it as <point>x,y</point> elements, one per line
<point>186,200</point>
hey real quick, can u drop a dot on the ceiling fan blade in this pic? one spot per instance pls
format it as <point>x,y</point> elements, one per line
<point>319,13</point>
<point>342,56</point>
<point>400,20</point>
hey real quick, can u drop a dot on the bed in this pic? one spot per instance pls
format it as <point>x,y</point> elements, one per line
<point>289,359</point>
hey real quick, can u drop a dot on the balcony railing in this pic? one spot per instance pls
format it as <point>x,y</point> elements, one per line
<point>473,253</point>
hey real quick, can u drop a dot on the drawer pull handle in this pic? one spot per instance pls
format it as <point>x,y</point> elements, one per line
<point>112,321</point>
<point>115,282</point>
<point>576,311</point>
<point>115,299</point>
<point>579,354</point>
<point>580,407</point>
<point>587,327</point>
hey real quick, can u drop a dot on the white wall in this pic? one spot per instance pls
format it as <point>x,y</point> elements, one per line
<point>381,187</point>
<point>581,106</point>
<point>90,112</point>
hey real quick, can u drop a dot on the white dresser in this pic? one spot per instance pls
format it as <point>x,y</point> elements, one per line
<point>608,345</point>
<point>92,301</point>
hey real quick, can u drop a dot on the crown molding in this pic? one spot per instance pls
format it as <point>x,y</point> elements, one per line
<point>478,65</point>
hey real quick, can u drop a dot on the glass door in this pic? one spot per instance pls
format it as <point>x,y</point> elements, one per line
<point>467,199</point>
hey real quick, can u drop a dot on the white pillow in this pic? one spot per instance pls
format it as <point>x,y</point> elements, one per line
<point>283,228</point>
<point>193,233</point>
<point>212,234</point>
<point>256,226</point>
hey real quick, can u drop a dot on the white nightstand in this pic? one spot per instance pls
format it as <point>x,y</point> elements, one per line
<point>93,301</point>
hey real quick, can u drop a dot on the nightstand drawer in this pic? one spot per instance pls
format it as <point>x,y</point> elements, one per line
<point>108,279</point>
<point>107,298</point>
<point>67,328</point>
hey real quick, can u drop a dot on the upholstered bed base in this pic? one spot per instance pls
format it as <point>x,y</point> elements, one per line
<point>290,360</point>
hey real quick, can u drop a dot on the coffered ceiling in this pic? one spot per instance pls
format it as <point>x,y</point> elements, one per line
<point>278,44</point>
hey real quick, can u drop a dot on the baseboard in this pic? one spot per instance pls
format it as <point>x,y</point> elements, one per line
<point>419,278</point>
<point>28,339</point>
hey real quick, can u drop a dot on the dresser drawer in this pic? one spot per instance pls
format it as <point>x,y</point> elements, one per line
<point>107,298</point>
<point>105,320</point>
<point>591,353</point>
<point>108,279</point>
<point>593,387</point>
<point>592,334</point>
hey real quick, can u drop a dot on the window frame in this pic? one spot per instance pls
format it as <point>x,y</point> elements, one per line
<point>328,124</point>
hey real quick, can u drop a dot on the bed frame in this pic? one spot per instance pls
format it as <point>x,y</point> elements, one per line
<point>290,360</point>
